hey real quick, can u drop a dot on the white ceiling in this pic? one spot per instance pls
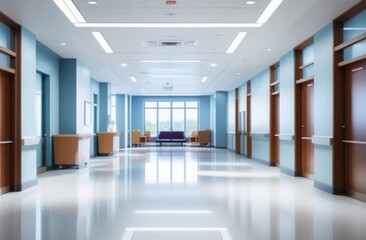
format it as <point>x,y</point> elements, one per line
<point>293,22</point>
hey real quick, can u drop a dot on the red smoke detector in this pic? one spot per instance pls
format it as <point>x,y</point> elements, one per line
<point>170,2</point>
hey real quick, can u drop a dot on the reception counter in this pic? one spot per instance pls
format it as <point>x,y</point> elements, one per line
<point>71,149</point>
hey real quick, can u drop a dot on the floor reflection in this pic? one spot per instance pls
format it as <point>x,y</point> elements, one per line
<point>177,193</point>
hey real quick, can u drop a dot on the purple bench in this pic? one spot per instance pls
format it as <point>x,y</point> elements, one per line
<point>171,137</point>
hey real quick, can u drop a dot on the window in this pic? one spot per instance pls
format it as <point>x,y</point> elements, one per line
<point>167,116</point>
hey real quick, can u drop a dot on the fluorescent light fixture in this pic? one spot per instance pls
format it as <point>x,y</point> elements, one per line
<point>354,29</point>
<point>173,212</point>
<point>204,79</point>
<point>124,65</point>
<point>70,11</point>
<point>270,9</point>
<point>170,61</point>
<point>133,79</point>
<point>169,25</point>
<point>236,42</point>
<point>103,43</point>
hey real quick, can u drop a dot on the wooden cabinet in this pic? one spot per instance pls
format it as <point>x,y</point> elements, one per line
<point>108,143</point>
<point>204,137</point>
<point>71,149</point>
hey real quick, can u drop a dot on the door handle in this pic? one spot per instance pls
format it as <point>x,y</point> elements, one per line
<point>358,69</point>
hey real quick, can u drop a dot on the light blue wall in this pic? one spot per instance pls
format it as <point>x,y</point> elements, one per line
<point>231,120</point>
<point>243,108</point>
<point>94,86</point>
<point>287,112</point>
<point>138,109</point>
<point>5,41</point>
<point>260,115</point>
<point>121,119</point>
<point>104,106</point>
<point>28,89</point>
<point>68,96</point>
<point>74,92</point>
<point>220,119</point>
<point>213,119</point>
<point>323,107</point>
<point>358,49</point>
<point>83,91</point>
<point>48,64</point>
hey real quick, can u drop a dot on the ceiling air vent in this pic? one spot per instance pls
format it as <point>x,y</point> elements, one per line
<point>170,43</point>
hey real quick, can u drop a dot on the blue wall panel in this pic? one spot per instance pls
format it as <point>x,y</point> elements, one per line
<point>260,115</point>
<point>287,107</point>
<point>48,64</point>
<point>28,88</point>
<point>221,119</point>
<point>138,109</point>
<point>323,107</point>
<point>121,119</point>
<point>104,106</point>
<point>83,81</point>
<point>68,96</point>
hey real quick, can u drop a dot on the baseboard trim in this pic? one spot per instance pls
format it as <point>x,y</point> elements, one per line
<point>41,170</point>
<point>290,172</point>
<point>24,186</point>
<point>4,190</point>
<point>323,187</point>
<point>329,189</point>
<point>261,161</point>
<point>356,195</point>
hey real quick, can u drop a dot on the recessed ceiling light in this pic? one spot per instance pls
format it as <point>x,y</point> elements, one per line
<point>63,44</point>
<point>70,11</point>
<point>133,79</point>
<point>204,79</point>
<point>270,9</point>
<point>238,73</point>
<point>124,64</point>
<point>168,25</point>
<point>213,65</point>
<point>250,2</point>
<point>103,43</point>
<point>268,49</point>
<point>236,42</point>
<point>92,2</point>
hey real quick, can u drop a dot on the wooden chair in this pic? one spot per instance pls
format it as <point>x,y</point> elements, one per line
<point>137,138</point>
<point>194,137</point>
<point>148,136</point>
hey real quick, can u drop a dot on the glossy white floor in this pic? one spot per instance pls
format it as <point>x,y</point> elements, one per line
<point>177,193</point>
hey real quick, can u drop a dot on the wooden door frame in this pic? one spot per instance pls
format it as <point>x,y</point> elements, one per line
<point>237,128</point>
<point>299,80</point>
<point>15,118</point>
<point>248,118</point>
<point>274,160</point>
<point>338,155</point>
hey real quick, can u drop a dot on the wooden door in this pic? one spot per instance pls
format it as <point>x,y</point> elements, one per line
<point>275,143</point>
<point>355,130</point>
<point>249,128</point>
<point>307,129</point>
<point>5,134</point>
